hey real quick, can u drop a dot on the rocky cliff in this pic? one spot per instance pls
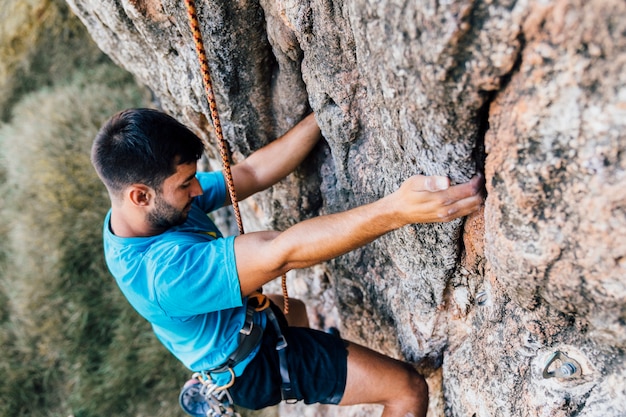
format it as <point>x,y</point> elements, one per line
<point>531,92</point>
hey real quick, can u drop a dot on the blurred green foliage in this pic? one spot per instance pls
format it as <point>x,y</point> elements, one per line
<point>41,44</point>
<point>71,344</point>
<point>74,346</point>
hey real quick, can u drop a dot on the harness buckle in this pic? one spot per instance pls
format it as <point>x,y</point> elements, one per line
<point>281,343</point>
<point>247,328</point>
<point>248,323</point>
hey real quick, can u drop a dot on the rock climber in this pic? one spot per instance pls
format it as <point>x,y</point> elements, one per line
<point>195,287</point>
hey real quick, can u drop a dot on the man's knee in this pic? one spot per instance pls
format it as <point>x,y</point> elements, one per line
<point>420,386</point>
<point>415,389</point>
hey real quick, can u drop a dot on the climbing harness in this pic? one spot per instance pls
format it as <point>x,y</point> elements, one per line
<point>194,24</point>
<point>200,396</point>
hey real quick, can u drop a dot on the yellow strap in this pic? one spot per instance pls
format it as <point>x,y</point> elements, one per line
<point>261,301</point>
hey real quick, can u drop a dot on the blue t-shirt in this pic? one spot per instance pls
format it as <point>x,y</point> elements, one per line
<point>185,283</point>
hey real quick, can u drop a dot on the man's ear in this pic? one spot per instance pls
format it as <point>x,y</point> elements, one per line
<point>140,195</point>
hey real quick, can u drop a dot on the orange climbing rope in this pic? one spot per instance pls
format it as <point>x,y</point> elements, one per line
<point>208,86</point>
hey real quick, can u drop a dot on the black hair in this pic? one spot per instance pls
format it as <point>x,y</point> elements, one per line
<point>142,146</point>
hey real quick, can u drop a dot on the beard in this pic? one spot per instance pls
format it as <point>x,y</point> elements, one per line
<point>165,216</point>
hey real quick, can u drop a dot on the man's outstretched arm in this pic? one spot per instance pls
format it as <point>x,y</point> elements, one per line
<point>275,161</point>
<point>263,256</point>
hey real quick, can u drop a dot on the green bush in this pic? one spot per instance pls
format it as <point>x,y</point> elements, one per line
<point>41,43</point>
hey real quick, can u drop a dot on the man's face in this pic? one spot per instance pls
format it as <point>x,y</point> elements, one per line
<point>173,201</point>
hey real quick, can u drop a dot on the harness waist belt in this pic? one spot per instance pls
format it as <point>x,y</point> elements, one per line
<point>249,338</point>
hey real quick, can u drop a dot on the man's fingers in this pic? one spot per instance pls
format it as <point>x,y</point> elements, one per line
<point>463,207</point>
<point>436,183</point>
<point>471,188</point>
<point>432,199</point>
<point>463,199</point>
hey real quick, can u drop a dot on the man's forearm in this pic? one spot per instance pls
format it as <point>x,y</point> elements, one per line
<point>275,161</point>
<point>322,238</point>
<point>308,243</point>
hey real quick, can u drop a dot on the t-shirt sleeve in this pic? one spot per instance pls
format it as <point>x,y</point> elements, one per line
<point>196,278</point>
<point>214,187</point>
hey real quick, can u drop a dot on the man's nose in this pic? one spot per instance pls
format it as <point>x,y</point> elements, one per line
<point>196,189</point>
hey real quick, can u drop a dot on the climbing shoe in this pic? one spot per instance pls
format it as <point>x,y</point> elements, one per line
<point>191,399</point>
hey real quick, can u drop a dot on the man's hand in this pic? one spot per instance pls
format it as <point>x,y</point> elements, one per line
<point>423,199</point>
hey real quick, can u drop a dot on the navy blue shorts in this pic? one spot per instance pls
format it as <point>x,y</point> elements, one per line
<point>317,367</point>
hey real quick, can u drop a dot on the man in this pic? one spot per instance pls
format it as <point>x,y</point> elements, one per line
<point>193,285</point>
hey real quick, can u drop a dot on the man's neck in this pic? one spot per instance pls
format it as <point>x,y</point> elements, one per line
<point>124,225</point>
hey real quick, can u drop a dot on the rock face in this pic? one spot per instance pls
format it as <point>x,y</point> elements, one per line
<point>533,93</point>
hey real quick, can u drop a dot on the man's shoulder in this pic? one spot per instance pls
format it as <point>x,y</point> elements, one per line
<point>210,178</point>
<point>214,190</point>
